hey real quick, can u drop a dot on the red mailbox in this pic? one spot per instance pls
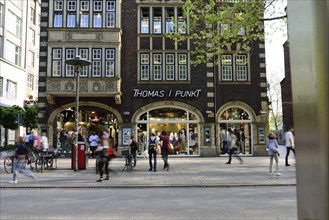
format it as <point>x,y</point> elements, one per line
<point>82,156</point>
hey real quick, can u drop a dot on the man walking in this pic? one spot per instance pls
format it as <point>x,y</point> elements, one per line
<point>289,143</point>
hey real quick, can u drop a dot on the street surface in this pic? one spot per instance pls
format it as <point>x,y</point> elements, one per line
<point>225,203</point>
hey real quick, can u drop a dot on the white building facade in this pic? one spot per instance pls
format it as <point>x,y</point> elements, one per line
<point>19,55</point>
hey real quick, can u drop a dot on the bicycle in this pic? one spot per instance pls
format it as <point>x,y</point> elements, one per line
<point>128,160</point>
<point>46,160</point>
<point>8,163</point>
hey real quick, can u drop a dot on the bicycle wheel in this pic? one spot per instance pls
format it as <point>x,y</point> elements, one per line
<point>49,162</point>
<point>8,164</point>
<point>39,164</point>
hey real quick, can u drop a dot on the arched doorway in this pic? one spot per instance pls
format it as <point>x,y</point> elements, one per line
<point>236,118</point>
<point>182,123</point>
<point>92,116</point>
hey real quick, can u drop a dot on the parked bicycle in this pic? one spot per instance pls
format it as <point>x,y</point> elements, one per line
<point>46,160</point>
<point>128,160</point>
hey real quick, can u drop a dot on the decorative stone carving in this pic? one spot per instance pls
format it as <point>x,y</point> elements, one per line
<point>97,87</point>
<point>110,86</point>
<point>69,86</point>
<point>84,86</point>
<point>54,86</point>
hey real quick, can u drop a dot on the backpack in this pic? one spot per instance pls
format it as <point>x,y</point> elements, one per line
<point>152,145</point>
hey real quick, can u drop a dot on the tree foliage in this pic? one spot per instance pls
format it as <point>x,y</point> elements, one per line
<point>30,117</point>
<point>212,25</point>
<point>9,117</point>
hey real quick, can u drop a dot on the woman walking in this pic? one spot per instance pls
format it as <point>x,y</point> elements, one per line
<point>272,149</point>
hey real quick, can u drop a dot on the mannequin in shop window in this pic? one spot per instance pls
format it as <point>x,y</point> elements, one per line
<point>191,141</point>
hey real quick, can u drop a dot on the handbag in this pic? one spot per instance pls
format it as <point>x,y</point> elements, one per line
<point>158,149</point>
<point>170,148</point>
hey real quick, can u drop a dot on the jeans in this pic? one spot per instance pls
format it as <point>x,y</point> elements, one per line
<point>232,151</point>
<point>276,158</point>
<point>288,152</point>
<point>20,166</point>
<point>152,152</point>
<point>104,162</point>
<point>134,153</point>
<point>165,158</point>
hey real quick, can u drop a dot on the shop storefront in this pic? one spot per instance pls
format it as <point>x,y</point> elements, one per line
<point>182,125</point>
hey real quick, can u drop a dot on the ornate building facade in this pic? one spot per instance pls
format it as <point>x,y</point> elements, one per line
<point>140,82</point>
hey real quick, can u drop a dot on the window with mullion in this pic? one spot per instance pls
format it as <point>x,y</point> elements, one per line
<point>170,66</point>
<point>145,21</point>
<point>145,66</point>
<point>110,14</point>
<point>84,54</point>
<point>110,63</point>
<point>57,62</point>
<point>157,66</point>
<point>58,14</point>
<point>157,20</point>
<point>69,69</point>
<point>71,14</point>
<point>97,63</point>
<point>182,66</point>
<point>30,81</point>
<point>170,16</point>
<point>58,5</point>
<point>227,67</point>
<point>97,17</point>
<point>241,67</point>
<point>84,14</point>
<point>181,20</point>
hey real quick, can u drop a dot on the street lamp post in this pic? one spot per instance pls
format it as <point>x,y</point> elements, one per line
<point>78,64</point>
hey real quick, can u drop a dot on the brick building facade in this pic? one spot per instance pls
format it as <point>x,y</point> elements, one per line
<point>141,82</point>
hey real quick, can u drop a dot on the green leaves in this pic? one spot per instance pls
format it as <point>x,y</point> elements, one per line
<point>211,26</point>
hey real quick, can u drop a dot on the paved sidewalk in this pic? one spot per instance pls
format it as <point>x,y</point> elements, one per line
<point>184,172</point>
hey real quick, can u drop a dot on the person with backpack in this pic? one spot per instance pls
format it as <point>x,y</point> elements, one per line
<point>153,142</point>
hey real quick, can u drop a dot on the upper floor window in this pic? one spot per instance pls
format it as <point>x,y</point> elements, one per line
<point>69,54</point>
<point>234,67</point>
<point>30,81</point>
<point>110,14</point>
<point>110,63</point>
<point>84,54</point>
<point>32,15</point>
<point>13,53</point>
<point>57,62</point>
<point>163,67</point>
<point>31,36</point>
<point>11,90</point>
<point>71,14</point>
<point>71,5</point>
<point>97,62</point>
<point>1,86</point>
<point>161,17</point>
<point>58,14</point>
<point>30,59</point>
<point>58,5</point>
<point>14,24</point>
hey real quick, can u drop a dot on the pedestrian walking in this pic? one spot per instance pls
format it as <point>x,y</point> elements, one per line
<point>31,140</point>
<point>153,142</point>
<point>273,152</point>
<point>233,147</point>
<point>133,148</point>
<point>164,142</point>
<point>289,143</point>
<point>21,155</point>
<point>103,152</point>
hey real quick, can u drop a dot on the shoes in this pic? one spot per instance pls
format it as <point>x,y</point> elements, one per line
<point>277,174</point>
<point>107,178</point>
<point>13,181</point>
<point>271,174</point>
<point>288,165</point>
<point>228,163</point>
<point>99,180</point>
<point>155,170</point>
<point>241,161</point>
<point>150,169</point>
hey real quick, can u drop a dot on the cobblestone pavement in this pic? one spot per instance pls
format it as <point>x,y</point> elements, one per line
<point>184,172</point>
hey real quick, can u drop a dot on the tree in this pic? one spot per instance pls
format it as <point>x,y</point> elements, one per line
<point>9,119</point>
<point>30,117</point>
<point>213,25</point>
<point>275,106</point>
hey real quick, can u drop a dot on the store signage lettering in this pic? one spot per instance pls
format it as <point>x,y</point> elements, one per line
<point>170,93</point>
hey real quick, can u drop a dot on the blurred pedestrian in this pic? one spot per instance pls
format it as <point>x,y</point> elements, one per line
<point>233,147</point>
<point>103,151</point>
<point>27,140</point>
<point>21,155</point>
<point>44,145</point>
<point>289,143</point>
<point>153,142</point>
<point>273,152</point>
<point>36,140</point>
<point>31,140</point>
<point>164,142</point>
<point>63,139</point>
<point>133,148</point>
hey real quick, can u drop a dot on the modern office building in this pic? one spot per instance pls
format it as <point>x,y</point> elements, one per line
<point>140,82</point>
<point>19,55</point>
